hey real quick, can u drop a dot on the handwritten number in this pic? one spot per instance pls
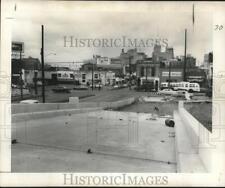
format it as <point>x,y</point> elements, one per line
<point>218,27</point>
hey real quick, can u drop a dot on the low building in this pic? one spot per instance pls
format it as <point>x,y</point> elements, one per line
<point>28,67</point>
<point>115,60</point>
<point>104,74</point>
<point>176,74</point>
<point>55,75</point>
<point>194,74</point>
<point>102,60</point>
<point>103,77</point>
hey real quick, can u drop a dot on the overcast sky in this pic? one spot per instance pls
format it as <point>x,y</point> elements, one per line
<point>110,20</point>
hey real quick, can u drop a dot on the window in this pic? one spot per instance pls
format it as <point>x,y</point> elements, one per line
<point>96,75</point>
<point>186,85</point>
<point>59,75</point>
<point>71,75</point>
<point>83,77</point>
<point>153,72</point>
<point>142,71</point>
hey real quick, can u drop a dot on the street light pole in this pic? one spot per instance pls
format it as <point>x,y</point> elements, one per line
<point>42,63</point>
<point>130,72</point>
<point>146,78</point>
<point>169,74</point>
<point>185,51</point>
<point>92,76</point>
<point>21,80</point>
<point>35,82</point>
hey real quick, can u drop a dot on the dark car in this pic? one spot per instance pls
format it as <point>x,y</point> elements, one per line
<point>81,87</point>
<point>61,89</point>
<point>209,92</point>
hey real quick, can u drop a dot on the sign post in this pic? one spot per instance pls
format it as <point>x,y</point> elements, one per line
<point>42,63</point>
<point>18,47</point>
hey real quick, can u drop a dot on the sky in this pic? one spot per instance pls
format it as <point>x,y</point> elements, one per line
<point>141,20</point>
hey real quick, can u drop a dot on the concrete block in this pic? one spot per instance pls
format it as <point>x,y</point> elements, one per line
<point>74,100</point>
<point>190,163</point>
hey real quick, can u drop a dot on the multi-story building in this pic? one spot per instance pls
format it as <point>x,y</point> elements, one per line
<point>130,57</point>
<point>208,67</point>
<point>158,55</point>
<point>173,70</point>
<point>147,67</point>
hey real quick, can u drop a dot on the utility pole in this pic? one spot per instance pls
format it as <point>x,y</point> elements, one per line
<point>74,80</point>
<point>146,78</point>
<point>92,76</point>
<point>35,82</point>
<point>169,74</point>
<point>130,72</point>
<point>42,63</point>
<point>185,51</point>
<point>21,80</point>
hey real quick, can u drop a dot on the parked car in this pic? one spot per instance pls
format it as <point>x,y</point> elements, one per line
<point>168,92</point>
<point>14,86</point>
<point>29,101</point>
<point>98,85</point>
<point>209,92</point>
<point>39,83</point>
<point>125,85</point>
<point>61,89</point>
<point>80,87</point>
<point>115,86</point>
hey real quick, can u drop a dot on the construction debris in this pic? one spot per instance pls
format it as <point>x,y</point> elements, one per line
<point>169,122</point>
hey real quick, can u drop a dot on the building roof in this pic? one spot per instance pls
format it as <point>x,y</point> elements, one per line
<point>111,66</point>
<point>51,68</point>
<point>31,63</point>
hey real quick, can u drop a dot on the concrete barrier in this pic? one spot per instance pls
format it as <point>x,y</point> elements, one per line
<point>27,108</point>
<point>107,105</point>
<point>197,141</point>
<point>21,117</point>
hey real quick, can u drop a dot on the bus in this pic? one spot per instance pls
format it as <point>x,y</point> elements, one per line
<point>187,86</point>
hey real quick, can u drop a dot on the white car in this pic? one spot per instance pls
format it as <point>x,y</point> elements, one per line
<point>168,92</point>
<point>115,86</point>
<point>29,101</point>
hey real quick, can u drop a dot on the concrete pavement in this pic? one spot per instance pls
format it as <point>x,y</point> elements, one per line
<point>121,136</point>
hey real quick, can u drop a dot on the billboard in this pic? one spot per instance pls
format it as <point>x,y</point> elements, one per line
<point>17,47</point>
<point>172,74</point>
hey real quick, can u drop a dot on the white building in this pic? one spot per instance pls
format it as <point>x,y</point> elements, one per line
<point>71,65</point>
<point>58,74</point>
<point>103,60</point>
<point>103,77</point>
<point>76,66</point>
